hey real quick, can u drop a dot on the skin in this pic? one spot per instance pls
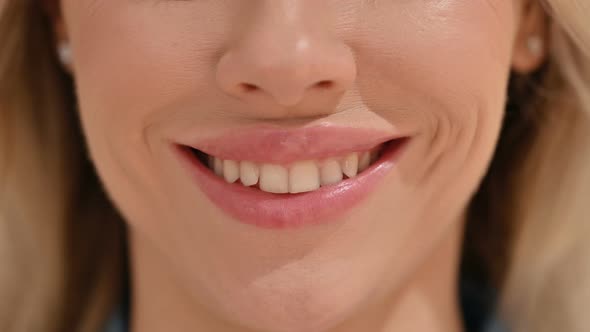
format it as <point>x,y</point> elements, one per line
<point>147,71</point>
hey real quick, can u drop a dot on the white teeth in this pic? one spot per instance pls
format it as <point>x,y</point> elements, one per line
<point>299,177</point>
<point>231,171</point>
<point>249,173</point>
<point>218,166</point>
<point>304,176</point>
<point>350,165</point>
<point>330,172</point>
<point>274,179</point>
<point>364,161</point>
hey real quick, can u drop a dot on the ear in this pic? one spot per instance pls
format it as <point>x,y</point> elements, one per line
<point>53,10</point>
<point>531,45</point>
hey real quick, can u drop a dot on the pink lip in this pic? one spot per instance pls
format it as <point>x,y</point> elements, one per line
<point>279,211</point>
<point>271,145</point>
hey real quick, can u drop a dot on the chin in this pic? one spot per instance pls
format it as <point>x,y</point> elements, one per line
<point>295,299</point>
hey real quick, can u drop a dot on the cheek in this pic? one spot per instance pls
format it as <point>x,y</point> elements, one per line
<point>133,64</point>
<point>455,49</point>
<point>135,57</point>
<point>442,68</point>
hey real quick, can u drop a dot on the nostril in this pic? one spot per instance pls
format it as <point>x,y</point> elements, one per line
<point>247,87</point>
<point>325,84</point>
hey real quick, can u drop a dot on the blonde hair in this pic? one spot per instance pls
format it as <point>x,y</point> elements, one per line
<point>548,281</point>
<point>62,243</point>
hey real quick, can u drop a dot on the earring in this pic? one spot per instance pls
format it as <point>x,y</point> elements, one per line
<point>535,45</point>
<point>64,53</point>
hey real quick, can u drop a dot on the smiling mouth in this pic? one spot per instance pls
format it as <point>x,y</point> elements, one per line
<point>296,177</point>
<point>287,178</point>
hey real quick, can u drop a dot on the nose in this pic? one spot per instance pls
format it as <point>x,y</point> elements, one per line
<point>285,55</point>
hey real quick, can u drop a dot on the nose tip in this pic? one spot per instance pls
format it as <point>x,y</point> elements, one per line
<point>287,75</point>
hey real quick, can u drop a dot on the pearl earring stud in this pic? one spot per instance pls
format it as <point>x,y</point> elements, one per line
<point>64,52</point>
<point>535,45</point>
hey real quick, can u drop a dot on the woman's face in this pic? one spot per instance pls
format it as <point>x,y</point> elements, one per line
<point>275,83</point>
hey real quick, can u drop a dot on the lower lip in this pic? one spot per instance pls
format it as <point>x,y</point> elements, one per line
<point>282,211</point>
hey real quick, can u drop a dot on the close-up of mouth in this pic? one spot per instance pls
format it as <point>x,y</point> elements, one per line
<point>287,166</point>
<point>299,183</point>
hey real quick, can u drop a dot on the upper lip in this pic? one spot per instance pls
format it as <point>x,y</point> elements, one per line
<point>268,144</point>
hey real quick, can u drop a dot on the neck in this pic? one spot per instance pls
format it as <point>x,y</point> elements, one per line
<point>428,302</point>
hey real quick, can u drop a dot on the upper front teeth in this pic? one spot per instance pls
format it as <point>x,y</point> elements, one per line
<point>249,173</point>
<point>274,178</point>
<point>303,176</point>
<point>299,177</point>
